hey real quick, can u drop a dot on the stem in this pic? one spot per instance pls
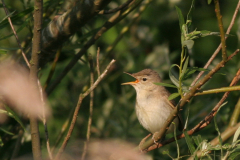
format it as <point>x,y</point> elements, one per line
<point>222,33</point>
<point>180,71</point>
<point>218,90</point>
<point>36,49</point>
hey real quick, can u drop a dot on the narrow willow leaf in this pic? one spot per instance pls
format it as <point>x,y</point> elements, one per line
<point>197,139</point>
<point>16,17</point>
<point>5,131</point>
<point>172,96</point>
<point>190,144</point>
<point>233,156</point>
<point>188,43</point>
<point>171,76</point>
<point>9,15</point>
<point>189,15</point>
<point>236,135</point>
<point>12,114</point>
<point>1,142</point>
<point>209,1</point>
<point>185,65</point>
<point>165,152</point>
<point>166,85</point>
<point>180,17</point>
<point>219,133</point>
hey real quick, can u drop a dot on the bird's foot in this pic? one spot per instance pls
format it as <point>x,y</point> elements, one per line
<point>143,141</point>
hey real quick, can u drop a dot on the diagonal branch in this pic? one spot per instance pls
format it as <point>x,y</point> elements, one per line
<point>204,122</point>
<point>109,24</point>
<point>184,100</point>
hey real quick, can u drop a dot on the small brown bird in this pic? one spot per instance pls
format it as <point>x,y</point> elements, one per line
<point>152,104</point>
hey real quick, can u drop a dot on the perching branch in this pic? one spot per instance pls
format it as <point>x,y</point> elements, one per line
<point>183,101</point>
<point>81,97</point>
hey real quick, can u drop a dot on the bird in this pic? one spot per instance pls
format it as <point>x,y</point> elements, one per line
<point>152,104</point>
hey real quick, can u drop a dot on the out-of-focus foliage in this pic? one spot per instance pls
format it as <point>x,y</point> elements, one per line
<point>154,41</point>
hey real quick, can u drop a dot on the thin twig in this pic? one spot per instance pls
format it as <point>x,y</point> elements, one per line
<point>98,68</point>
<point>125,29</point>
<point>90,110</point>
<point>81,97</point>
<point>220,45</point>
<point>15,34</point>
<point>109,24</point>
<point>50,75</point>
<point>121,7</point>
<point>218,90</point>
<point>222,33</point>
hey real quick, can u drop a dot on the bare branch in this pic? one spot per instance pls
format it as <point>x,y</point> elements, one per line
<point>220,45</point>
<point>81,97</point>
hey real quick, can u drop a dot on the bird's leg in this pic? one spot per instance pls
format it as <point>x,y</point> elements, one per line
<point>143,141</point>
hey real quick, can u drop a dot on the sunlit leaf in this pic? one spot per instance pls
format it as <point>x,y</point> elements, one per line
<point>180,17</point>
<point>209,1</point>
<point>12,114</point>
<point>188,43</point>
<point>197,139</point>
<point>172,96</point>
<point>1,142</point>
<point>233,156</point>
<point>5,131</point>
<point>189,143</point>
<point>172,77</point>
<point>189,15</point>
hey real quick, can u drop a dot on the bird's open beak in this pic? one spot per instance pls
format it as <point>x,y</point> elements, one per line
<point>127,83</point>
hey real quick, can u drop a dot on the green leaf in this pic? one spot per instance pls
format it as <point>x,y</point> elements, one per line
<point>188,43</point>
<point>165,152</point>
<point>12,114</point>
<point>191,70</point>
<point>219,133</point>
<point>233,156</point>
<point>190,144</point>
<point>165,85</point>
<point>1,142</point>
<point>189,15</point>
<point>9,15</point>
<point>197,139</point>
<point>172,77</point>
<point>185,65</point>
<point>16,17</point>
<point>236,135</point>
<point>180,17</point>
<point>209,1</point>
<point>5,131</point>
<point>173,96</point>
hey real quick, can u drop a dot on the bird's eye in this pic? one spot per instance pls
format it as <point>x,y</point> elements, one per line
<point>144,79</point>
